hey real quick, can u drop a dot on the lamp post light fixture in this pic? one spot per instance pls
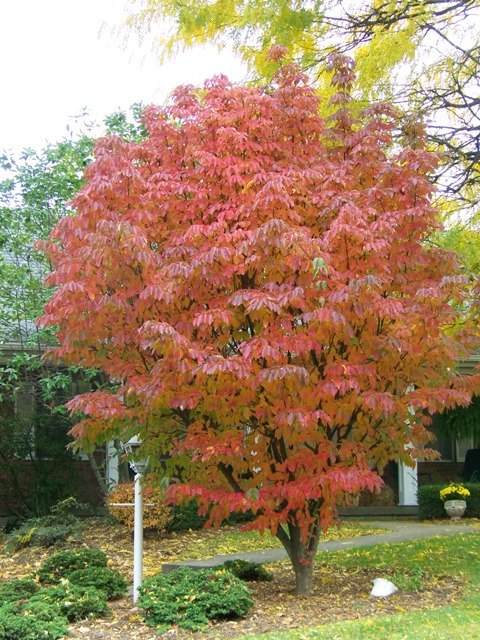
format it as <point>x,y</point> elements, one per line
<point>131,447</point>
<point>138,466</point>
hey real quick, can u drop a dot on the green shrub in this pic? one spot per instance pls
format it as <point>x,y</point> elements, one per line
<point>157,515</point>
<point>191,598</point>
<point>60,564</point>
<point>31,621</point>
<point>47,616</point>
<point>241,517</point>
<point>49,530</point>
<point>12,523</point>
<point>73,602</point>
<point>473,501</point>
<point>409,580</point>
<point>20,589</point>
<point>32,535</point>
<point>110,581</point>
<point>32,489</point>
<point>430,506</point>
<point>248,571</point>
<point>32,613</point>
<point>185,518</point>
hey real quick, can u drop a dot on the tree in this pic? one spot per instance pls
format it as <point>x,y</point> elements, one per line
<point>461,422</point>
<point>260,285</point>
<point>443,84</point>
<point>36,188</point>
<point>423,54</point>
<point>34,194</point>
<point>251,26</point>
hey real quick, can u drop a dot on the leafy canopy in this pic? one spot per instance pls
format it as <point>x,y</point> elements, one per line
<point>260,285</point>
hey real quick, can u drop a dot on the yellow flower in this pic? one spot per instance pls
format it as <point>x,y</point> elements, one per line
<point>454,492</point>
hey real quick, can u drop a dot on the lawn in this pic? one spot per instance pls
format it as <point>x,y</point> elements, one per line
<point>455,559</point>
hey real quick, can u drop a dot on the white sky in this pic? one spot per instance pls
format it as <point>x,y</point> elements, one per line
<point>53,63</point>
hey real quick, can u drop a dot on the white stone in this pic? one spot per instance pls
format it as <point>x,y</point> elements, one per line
<point>382,588</point>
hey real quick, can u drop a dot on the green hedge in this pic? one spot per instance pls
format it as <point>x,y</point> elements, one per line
<point>431,507</point>
<point>185,518</point>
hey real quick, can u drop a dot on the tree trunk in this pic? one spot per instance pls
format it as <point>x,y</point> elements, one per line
<point>301,556</point>
<point>96,472</point>
<point>303,578</point>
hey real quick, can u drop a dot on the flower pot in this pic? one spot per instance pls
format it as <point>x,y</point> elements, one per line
<point>455,508</point>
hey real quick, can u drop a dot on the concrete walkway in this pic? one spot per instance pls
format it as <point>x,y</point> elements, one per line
<point>399,531</point>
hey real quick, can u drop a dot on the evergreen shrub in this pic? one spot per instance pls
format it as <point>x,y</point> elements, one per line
<point>185,517</point>
<point>32,535</point>
<point>60,564</point>
<point>248,571</point>
<point>31,490</point>
<point>110,581</point>
<point>47,531</point>
<point>83,584</point>
<point>18,589</point>
<point>31,621</point>
<point>191,598</point>
<point>73,602</point>
<point>241,517</point>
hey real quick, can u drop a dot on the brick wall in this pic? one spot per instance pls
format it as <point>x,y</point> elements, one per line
<point>84,485</point>
<point>438,471</point>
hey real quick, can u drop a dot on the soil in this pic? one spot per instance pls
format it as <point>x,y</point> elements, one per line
<point>339,594</point>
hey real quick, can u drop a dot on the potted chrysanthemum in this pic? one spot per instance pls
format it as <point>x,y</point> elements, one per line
<point>454,498</point>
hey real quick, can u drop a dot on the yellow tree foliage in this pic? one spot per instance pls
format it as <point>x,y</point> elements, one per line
<point>252,26</point>
<point>425,56</point>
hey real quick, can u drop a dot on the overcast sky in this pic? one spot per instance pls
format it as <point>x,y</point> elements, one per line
<point>54,63</point>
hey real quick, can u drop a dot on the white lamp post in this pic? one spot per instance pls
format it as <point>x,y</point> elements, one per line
<point>138,466</point>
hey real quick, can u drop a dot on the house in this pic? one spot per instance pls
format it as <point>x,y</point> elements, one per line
<point>447,468</point>
<point>36,466</point>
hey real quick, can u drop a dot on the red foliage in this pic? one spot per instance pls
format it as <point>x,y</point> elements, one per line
<point>261,285</point>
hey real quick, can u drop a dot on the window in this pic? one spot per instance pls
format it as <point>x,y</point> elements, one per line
<point>441,443</point>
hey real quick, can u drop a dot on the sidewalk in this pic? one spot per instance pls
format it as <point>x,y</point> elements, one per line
<point>400,531</point>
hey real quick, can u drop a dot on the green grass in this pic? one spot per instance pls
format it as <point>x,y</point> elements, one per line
<point>454,623</point>
<point>458,556</point>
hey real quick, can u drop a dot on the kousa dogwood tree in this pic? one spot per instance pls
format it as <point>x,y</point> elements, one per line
<point>259,285</point>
